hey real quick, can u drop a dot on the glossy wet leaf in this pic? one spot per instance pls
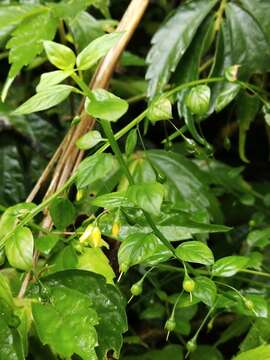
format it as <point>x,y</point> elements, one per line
<point>142,249</point>
<point>205,290</point>
<point>195,252</point>
<point>112,200</point>
<point>19,249</point>
<point>46,243</point>
<point>148,197</point>
<point>229,265</point>
<point>106,106</point>
<point>67,323</point>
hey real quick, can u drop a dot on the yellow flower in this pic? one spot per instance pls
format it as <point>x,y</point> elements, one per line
<point>92,236</point>
<point>115,229</point>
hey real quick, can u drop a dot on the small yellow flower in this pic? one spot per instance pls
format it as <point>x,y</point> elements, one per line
<point>79,195</point>
<point>116,229</point>
<point>92,237</point>
<point>87,234</point>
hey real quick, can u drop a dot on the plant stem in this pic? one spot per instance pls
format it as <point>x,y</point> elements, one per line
<point>219,15</point>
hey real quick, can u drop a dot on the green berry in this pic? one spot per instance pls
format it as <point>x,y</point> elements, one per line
<point>188,285</point>
<point>170,325</point>
<point>191,346</point>
<point>136,289</point>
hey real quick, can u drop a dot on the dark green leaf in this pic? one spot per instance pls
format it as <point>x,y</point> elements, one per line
<point>11,346</point>
<point>234,330</point>
<point>259,238</point>
<point>131,142</point>
<point>205,290</point>
<point>206,352</point>
<point>46,243</point>
<point>195,251</point>
<point>258,334</point>
<point>62,212</point>
<point>171,42</point>
<point>168,352</point>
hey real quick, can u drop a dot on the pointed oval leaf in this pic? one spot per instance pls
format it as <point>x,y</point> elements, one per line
<point>59,55</point>
<point>45,99</point>
<point>94,168</point>
<point>19,249</point>
<point>148,197</point>
<point>63,212</point>
<point>96,50</point>
<point>229,265</point>
<point>89,140</point>
<point>205,290</point>
<point>131,142</point>
<point>195,252</point>
<point>106,106</point>
<point>51,78</point>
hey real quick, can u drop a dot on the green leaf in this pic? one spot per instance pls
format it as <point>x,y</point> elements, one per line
<point>205,290</point>
<point>19,249</point>
<point>89,140</point>
<point>247,108</point>
<point>94,260</point>
<point>5,292</point>
<point>259,238</point>
<point>11,15</point>
<point>148,197</point>
<point>184,183</point>
<point>96,50</point>
<point>50,79</point>
<point>174,225</point>
<point>171,42</point>
<point>142,249</point>
<point>106,300</point>
<point>229,265</point>
<point>11,346</point>
<point>46,243</point>
<point>226,96</point>
<point>131,142</point>
<point>112,200</point>
<point>104,105</point>
<point>234,330</point>
<point>26,41</point>
<point>85,28</point>
<point>168,352</point>
<point>160,109</point>
<point>258,334</point>
<point>195,251</point>
<point>59,55</point>
<point>45,99</point>
<point>206,352</point>
<point>67,323</point>
<point>62,212</point>
<point>261,352</point>
<point>198,99</point>
<point>94,168</point>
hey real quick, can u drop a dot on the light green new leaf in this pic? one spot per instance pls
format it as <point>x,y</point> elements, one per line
<point>142,249</point>
<point>94,260</point>
<point>229,265</point>
<point>19,249</point>
<point>45,99</point>
<point>198,99</point>
<point>160,109</point>
<point>112,200</point>
<point>13,14</point>
<point>51,78</point>
<point>205,290</point>
<point>96,50</point>
<point>259,238</point>
<point>5,292</point>
<point>195,252</point>
<point>172,40</point>
<point>106,106</point>
<point>67,323</point>
<point>148,197</point>
<point>261,352</point>
<point>59,55</point>
<point>89,140</point>
<point>94,168</point>
<point>26,41</point>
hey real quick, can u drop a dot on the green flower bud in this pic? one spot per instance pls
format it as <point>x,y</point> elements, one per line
<point>170,325</point>
<point>191,346</point>
<point>136,289</point>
